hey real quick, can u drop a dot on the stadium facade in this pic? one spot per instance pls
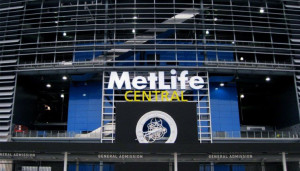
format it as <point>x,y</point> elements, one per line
<point>115,85</point>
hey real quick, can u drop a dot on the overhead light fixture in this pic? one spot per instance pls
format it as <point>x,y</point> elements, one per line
<point>134,17</point>
<point>216,88</point>
<point>222,84</point>
<point>183,16</point>
<point>268,79</point>
<point>48,85</point>
<point>261,10</point>
<point>215,19</point>
<point>242,96</point>
<point>133,30</point>
<point>207,32</point>
<point>64,77</point>
<point>241,58</point>
<point>84,94</point>
<point>56,22</point>
<point>233,42</point>
<point>47,107</point>
<point>62,95</point>
<point>64,34</point>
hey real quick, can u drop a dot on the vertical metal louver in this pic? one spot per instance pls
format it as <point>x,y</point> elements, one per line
<point>291,9</point>
<point>10,38</point>
<point>7,88</point>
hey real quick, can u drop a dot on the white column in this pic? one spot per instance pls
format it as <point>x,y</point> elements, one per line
<point>175,162</point>
<point>6,165</point>
<point>101,166</point>
<point>65,161</point>
<point>284,162</point>
<point>77,165</point>
<point>212,166</point>
<point>170,166</point>
<point>263,168</point>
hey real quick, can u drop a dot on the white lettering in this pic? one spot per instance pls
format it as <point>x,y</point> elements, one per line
<point>182,79</point>
<point>114,79</point>
<point>152,79</point>
<point>161,81</point>
<point>196,82</point>
<point>173,80</point>
<point>139,82</point>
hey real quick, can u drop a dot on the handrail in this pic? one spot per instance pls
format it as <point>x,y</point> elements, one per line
<point>256,135</point>
<point>55,134</point>
<point>216,134</point>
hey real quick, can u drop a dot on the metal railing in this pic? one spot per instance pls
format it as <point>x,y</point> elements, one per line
<point>189,63</point>
<point>256,135</point>
<point>216,135</point>
<point>55,134</point>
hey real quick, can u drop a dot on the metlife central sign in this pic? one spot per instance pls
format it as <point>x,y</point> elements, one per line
<point>155,84</point>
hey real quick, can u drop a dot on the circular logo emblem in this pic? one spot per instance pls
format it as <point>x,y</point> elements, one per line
<point>156,127</point>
